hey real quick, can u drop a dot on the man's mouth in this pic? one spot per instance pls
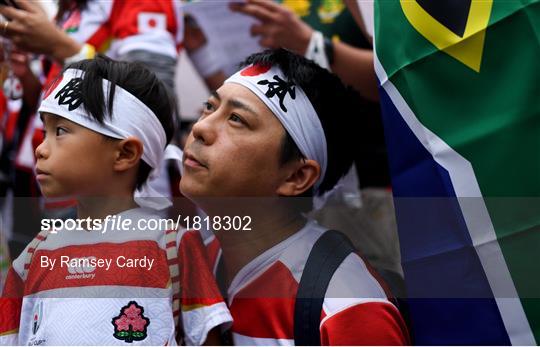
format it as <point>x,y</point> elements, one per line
<point>191,161</point>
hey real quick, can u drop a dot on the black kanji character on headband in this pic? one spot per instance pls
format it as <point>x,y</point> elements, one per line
<point>70,94</point>
<point>280,88</point>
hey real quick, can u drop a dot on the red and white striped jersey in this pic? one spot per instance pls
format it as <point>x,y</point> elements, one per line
<point>261,297</point>
<point>119,26</point>
<point>116,303</point>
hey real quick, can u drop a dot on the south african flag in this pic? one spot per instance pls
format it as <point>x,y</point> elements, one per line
<point>460,94</point>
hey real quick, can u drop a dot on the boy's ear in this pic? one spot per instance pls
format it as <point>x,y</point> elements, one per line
<point>128,153</point>
<point>301,176</point>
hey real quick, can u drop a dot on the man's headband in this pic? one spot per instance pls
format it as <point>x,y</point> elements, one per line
<point>291,106</point>
<point>129,117</point>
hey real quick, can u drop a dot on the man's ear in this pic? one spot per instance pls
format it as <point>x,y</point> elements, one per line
<point>301,177</point>
<point>128,153</point>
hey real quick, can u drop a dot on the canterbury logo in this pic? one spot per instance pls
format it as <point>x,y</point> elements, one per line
<point>82,271</point>
<point>456,27</point>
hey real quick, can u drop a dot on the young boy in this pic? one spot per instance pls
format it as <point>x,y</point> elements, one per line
<point>106,127</point>
<point>271,137</point>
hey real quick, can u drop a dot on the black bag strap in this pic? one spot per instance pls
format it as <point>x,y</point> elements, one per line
<point>325,257</point>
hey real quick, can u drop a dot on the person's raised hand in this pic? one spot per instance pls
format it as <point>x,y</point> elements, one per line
<point>31,30</point>
<point>278,27</point>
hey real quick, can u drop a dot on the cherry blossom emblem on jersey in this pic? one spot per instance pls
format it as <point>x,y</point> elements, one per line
<point>130,325</point>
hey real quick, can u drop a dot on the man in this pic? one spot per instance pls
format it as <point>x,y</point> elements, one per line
<point>274,135</point>
<point>325,31</point>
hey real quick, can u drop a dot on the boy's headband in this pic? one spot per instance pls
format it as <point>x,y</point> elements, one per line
<point>129,117</point>
<point>291,106</point>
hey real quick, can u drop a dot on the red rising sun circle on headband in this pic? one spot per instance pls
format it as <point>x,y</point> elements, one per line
<point>52,86</point>
<point>255,70</point>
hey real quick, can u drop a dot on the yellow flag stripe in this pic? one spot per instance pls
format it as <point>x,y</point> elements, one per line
<point>467,49</point>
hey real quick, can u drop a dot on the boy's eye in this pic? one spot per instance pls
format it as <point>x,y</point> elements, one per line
<point>60,131</point>
<point>44,133</point>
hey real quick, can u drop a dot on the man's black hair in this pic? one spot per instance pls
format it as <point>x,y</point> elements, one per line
<point>134,78</point>
<point>332,101</point>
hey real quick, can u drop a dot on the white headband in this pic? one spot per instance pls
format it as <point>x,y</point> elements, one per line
<point>291,106</point>
<point>129,117</point>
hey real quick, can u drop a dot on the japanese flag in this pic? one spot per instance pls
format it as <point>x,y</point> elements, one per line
<point>148,22</point>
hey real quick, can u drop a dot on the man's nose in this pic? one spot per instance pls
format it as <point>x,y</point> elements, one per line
<point>205,129</point>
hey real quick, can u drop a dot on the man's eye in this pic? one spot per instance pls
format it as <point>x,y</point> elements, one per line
<point>208,107</point>
<point>44,133</point>
<point>60,131</point>
<point>237,119</point>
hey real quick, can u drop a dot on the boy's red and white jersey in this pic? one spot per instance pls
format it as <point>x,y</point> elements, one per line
<point>118,26</point>
<point>125,298</point>
<point>261,297</point>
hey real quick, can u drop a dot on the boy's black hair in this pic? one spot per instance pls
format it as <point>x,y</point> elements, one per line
<point>332,101</point>
<point>134,78</point>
